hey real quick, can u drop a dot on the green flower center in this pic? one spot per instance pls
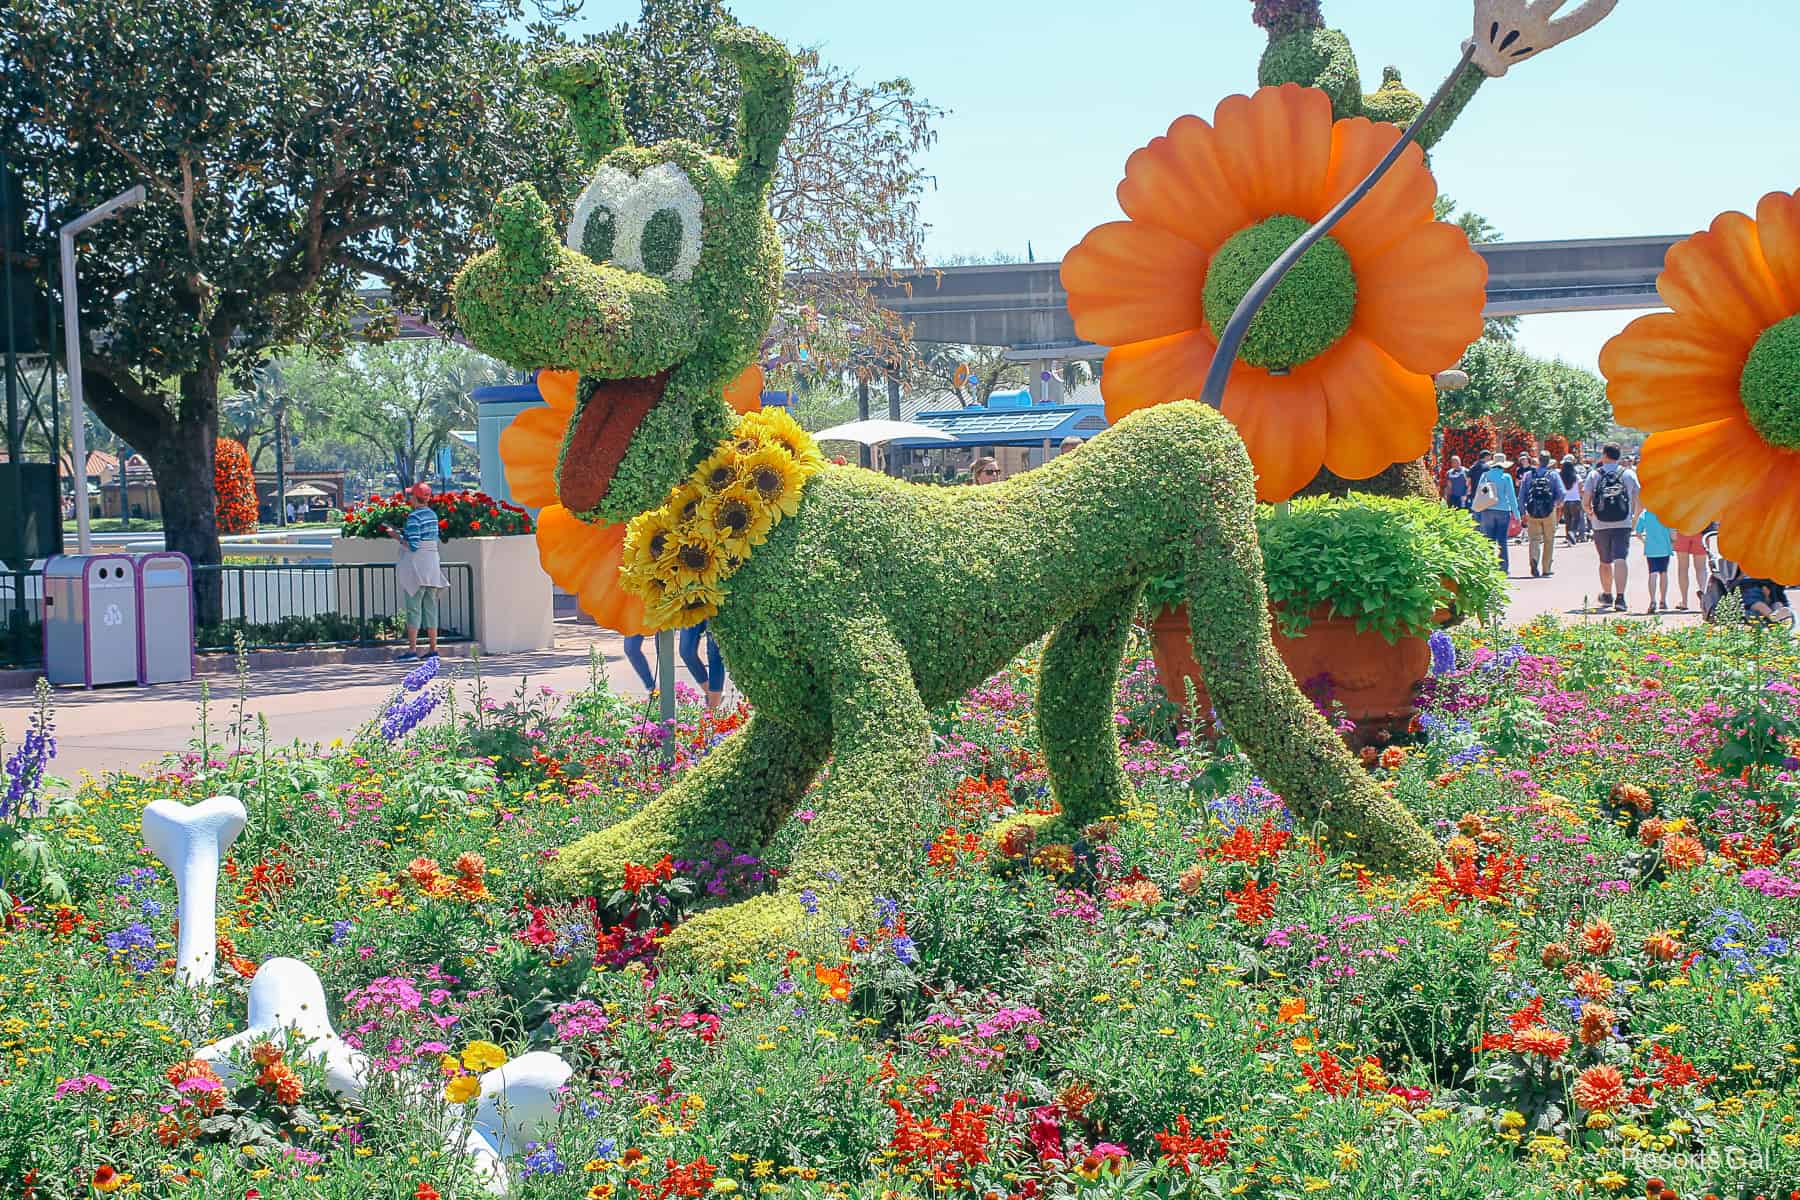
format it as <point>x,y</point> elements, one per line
<point>1310,309</point>
<point>1770,385</point>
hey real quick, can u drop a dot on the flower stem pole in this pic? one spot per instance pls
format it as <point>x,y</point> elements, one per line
<point>1219,374</point>
<point>665,676</point>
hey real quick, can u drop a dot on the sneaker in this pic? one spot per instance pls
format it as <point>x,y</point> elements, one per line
<point>1619,604</point>
<point>1534,572</point>
<point>1605,602</point>
<point>405,656</point>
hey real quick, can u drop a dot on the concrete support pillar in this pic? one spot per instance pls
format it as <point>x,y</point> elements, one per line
<point>862,414</point>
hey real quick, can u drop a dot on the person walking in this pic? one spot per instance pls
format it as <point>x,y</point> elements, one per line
<point>1571,506</point>
<point>1610,499</point>
<point>710,674</point>
<point>1496,505</point>
<point>1659,548</point>
<point>1690,557</point>
<point>985,469</point>
<point>418,570</point>
<point>634,654</point>
<point>1541,494</point>
<point>1456,484</point>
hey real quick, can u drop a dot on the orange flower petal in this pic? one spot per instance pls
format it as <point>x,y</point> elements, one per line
<point>744,393</point>
<point>1276,148</point>
<point>1378,413</point>
<point>1129,282</point>
<point>529,448</point>
<point>1720,279</point>
<point>1421,299</point>
<point>1154,372</point>
<point>1282,422</point>
<point>1179,183</point>
<point>1761,532</point>
<point>584,559</point>
<point>558,389</point>
<point>1397,206</point>
<point>1664,372</point>
<point>1694,476</point>
<point>1778,229</point>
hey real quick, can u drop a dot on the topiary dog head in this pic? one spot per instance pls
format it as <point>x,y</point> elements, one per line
<point>658,293</point>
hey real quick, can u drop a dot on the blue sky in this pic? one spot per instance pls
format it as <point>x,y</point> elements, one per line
<point>1668,113</point>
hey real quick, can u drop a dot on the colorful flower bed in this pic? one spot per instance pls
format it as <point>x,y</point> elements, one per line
<point>1596,994</point>
<point>460,515</point>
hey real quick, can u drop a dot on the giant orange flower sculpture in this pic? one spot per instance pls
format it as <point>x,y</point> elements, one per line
<point>1716,383</point>
<point>578,556</point>
<point>1337,368</point>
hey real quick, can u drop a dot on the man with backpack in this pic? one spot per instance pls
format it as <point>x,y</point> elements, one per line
<point>1609,495</point>
<point>1541,495</point>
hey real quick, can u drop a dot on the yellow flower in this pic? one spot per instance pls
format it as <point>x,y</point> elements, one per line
<point>482,1056</point>
<point>719,472</point>
<point>1512,1119</point>
<point>462,1089</point>
<point>776,478</point>
<point>1612,1181</point>
<point>1348,1157</point>
<point>1315,1184</point>
<point>739,517</point>
<point>695,560</point>
<point>648,540</point>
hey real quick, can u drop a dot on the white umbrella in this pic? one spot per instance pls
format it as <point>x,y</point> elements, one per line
<point>875,432</point>
<point>306,489</point>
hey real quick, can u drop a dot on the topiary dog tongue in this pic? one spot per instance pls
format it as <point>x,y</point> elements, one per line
<point>611,411</point>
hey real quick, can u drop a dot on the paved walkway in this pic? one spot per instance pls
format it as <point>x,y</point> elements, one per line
<point>125,727</point>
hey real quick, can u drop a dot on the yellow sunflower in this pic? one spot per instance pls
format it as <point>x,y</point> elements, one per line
<point>583,558</point>
<point>719,472</point>
<point>1337,368</point>
<point>1716,383</point>
<point>776,478</point>
<point>740,518</point>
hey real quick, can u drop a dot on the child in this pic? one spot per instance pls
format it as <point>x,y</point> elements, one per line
<point>1659,547</point>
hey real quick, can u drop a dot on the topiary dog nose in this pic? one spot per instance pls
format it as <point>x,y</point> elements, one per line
<point>523,228</point>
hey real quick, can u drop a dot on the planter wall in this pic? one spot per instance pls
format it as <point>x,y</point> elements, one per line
<point>513,606</point>
<point>1376,682</point>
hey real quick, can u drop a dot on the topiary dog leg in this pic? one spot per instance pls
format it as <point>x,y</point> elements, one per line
<point>1079,676</point>
<point>864,842</point>
<point>1290,744</point>
<point>742,793</point>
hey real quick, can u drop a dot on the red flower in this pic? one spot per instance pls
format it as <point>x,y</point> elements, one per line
<point>1600,1089</point>
<point>690,1179</point>
<point>1179,1145</point>
<point>1254,905</point>
<point>426,1192</point>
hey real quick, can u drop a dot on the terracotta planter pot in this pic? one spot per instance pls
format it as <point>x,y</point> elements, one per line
<point>1374,681</point>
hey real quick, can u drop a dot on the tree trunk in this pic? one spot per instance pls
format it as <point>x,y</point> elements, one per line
<point>1401,479</point>
<point>181,458</point>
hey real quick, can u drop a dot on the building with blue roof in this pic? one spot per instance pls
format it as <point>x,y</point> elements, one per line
<point>1020,434</point>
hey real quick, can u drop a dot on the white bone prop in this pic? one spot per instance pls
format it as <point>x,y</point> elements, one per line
<point>1508,32</point>
<point>286,994</point>
<point>191,841</point>
<point>517,1105</point>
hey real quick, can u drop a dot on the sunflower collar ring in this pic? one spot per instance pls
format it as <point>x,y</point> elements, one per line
<point>1506,32</point>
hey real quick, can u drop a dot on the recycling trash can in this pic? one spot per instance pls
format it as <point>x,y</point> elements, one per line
<point>91,619</point>
<point>165,586</point>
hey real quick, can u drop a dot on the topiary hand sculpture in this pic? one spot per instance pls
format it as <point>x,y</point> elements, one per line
<point>847,603</point>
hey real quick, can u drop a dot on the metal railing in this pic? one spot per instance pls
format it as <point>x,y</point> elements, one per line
<point>277,605</point>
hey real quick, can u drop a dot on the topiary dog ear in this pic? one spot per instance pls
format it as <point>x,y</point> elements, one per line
<point>578,75</point>
<point>770,77</point>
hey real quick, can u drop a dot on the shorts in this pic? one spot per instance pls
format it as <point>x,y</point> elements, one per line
<point>422,609</point>
<point>1614,544</point>
<point>1690,543</point>
<point>1659,563</point>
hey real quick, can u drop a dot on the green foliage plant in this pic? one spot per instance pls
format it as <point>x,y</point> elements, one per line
<point>876,600</point>
<point>1392,565</point>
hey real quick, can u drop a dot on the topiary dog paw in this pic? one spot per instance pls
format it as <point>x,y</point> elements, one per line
<point>760,927</point>
<point>595,865</point>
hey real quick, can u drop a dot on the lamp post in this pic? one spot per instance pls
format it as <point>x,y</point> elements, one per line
<point>84,541</point>
<point>1506,33</point>
<point>124,487</point>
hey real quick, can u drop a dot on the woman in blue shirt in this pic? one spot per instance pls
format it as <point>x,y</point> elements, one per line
<point>1496,506</point>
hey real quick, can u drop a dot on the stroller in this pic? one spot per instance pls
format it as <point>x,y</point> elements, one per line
<point>1726,577</point>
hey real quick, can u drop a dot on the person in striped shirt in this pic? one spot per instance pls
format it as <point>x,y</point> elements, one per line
<point>418,571</point>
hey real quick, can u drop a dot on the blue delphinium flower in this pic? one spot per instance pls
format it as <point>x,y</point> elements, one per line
<point>134,943</point>
<point>606,1148</point>
<point>809,900</point>
<point>1775,947</point>
<point>542,1160</point>
<point>340,931</point>
<point>151,908</point>
<point>1443,653</point>
<point>405,714</point>
<point>889,910</point>
<point>421,675</point>
<point>905,950</point>
<point>25,767</point>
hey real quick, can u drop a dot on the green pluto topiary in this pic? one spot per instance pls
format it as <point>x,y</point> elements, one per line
<point>876,600</point>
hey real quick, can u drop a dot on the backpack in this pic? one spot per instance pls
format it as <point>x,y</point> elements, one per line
<point>1540,494</point>
<point>1612,499</point>
<point>1486,496</point>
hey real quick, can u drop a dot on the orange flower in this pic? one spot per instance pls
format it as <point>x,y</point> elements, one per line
<point>1683,853</point>
<point>1392,757</point>
<point>1662,946</point>
<point>1337,369</point>
<point>1541,1040</point>
<point>581,557</point>
<point>1716,383</point>
<point>1597,937</point>
<point>1593,985</point>
<point>1600,1089</point>
<point>1596,1024</point>
<point>106,1179</point>
<point>1555,955</point>
<point>836,980</point>
<point>1651,831</point>
<point>1292,1009</point>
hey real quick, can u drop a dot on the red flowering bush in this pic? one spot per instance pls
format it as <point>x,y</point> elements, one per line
<point>460,515</point>
<point>234,485</point>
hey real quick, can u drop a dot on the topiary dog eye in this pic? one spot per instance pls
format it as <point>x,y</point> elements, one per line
<point>662,241</point>
<point>598,234</point>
